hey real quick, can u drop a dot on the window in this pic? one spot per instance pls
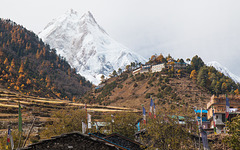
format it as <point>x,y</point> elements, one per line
<point>223,118</point>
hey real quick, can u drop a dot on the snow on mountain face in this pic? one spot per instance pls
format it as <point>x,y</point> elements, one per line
<point>224,70</point>
<point>86,46</point>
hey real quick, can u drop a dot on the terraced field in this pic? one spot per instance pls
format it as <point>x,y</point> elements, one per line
<point>39,107</point>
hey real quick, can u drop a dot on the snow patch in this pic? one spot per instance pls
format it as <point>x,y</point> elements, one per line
<point>224,70</point>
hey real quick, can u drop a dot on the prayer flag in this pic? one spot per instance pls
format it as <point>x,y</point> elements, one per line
<point>89,121</point>
<point>227,107</point>
<point>144,115</point>
<point>214,117</point>
<point>96,126</point>
<point>138,126</point>
<point>151,107</point>
<point>112,118</point>
<point>10,139</point>
<point>154,110</point>
<point>84,127</point>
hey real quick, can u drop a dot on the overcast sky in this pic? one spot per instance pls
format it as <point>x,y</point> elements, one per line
<point>182,28</point>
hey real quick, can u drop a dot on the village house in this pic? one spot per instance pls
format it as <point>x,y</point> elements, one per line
<point>218,104</point>
<point>203,118</point>
<point>145,69</point>
<point>157,68</point>
<point>176,65</point>
<point>74,141</point>
<point>91,141</point>
<point>119,141</point>
<point>136,71</point>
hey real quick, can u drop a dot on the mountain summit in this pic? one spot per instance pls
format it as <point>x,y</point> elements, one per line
<point>224,70</point>
<point>87,46</point>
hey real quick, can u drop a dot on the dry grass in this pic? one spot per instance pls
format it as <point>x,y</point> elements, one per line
<point>3,114</point>
<point>7,105</point>
<point>129,96</point>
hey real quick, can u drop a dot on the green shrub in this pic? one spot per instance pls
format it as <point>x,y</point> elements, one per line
<point>135,84</point>
<point>159,95</point>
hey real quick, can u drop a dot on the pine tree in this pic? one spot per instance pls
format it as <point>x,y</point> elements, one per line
<point>114,73</point>
<point>197,63</point>
<point>202,77</point>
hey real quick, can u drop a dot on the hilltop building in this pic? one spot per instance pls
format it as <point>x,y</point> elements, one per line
<point>136,71</point>
<point>149,68</point>
<point>145,68</point>
<point>219,106</point>
<point>160,67</point>
<point>176,65</point>
<point>157,68</point>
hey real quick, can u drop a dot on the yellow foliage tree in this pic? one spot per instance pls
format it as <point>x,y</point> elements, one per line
<point>236,92</point>
<point>21,68</point>
<point>193,75</point>
<point>37,54</point>
<point>160,59</point>
<point>58,95</point>
<point>153,57</point>
<point>179,72</point>
<point>48,81</point>
<point>74,99</point>
<point>5,61</point>
<point>6,76</point>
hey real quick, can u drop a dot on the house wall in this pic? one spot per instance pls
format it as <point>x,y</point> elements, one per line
<point>144,70</point>
<point>158,68</point>
<point>220,119</point>
<point>136,71</point>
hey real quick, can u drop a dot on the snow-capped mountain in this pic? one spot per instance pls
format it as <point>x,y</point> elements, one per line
<point>87,46</point>
<point>224,70</point>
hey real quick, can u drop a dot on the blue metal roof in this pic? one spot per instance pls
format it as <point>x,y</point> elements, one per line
<point>199,111</point>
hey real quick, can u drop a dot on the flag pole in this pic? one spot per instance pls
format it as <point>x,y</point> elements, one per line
<point>227,111</point>
<point>200,126</point>
<point>86,117</point>
<point>19,124</point>
<point>144,115</point>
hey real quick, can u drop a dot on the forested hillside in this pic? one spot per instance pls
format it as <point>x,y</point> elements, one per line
<point>29,66</point>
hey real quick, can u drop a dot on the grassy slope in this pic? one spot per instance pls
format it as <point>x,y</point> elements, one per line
<point>187,92</point>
